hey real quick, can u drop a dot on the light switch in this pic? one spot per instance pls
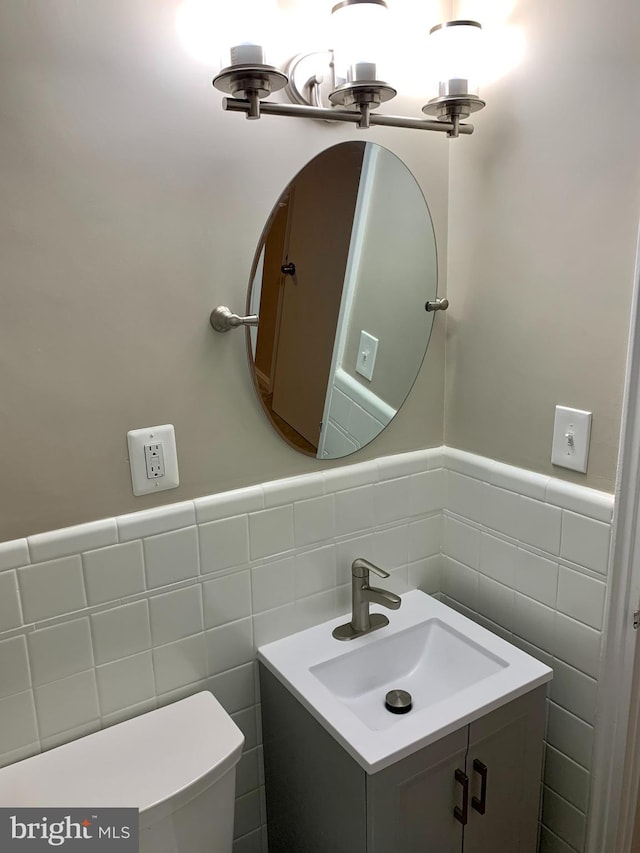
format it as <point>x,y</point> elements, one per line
<point>571,437</point>
<point>367,352</point>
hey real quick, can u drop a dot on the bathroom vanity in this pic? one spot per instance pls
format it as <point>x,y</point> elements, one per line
<point>459,772</point>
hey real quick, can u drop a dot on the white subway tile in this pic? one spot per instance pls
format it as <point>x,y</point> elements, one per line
<point>14,755</point>
<point>354,510</point>
<point>551,843</point>
<point>59,651</point>
<point>314,521</point>
<point>247,774</point>
<point>247,723</point>
<point>68,735</point>
<point>527,483</point>
<point>362,426</point>
<point>178,664</point>
<point>274,624</point>
<point>574,691</point>
<point>425,537</point>
<point>539,524</point>
<point>292,489</point>
<point>426,574</point>
<point>496,602</point>
<point>121,631</point>
<point>272,584</point>
<point>114,572</point>
<point>402,464</point>
<point>10,612</point>
<point>14,666</point>
<point>315,609</point>
<point>581,597</point>
<point>124,683</point>
<point>595,504</point>
<point>226,599</point>
<point>501,511</point>
<point>149,522</point>
<point>534,622</point>
<point>391,548</point>
<point>229,646</point>
<point>566,778</point>
<point>247,816</point>
<point>391,500</point>
<point>498,559</point>
<point>171,557</point>
<point>350,476</point>
<point>536,577</point>
<point>51,589</point>
<point>469,464</point>
<point>534,651</point>
<point>435,457</point>
<point>175,615</point>
<point>585,541</point>
<point>466,496</point>
<point>427,492</point>
<point>129,713</point>
<point>271,532</point>
<point>315,571</point>
<point>18,716</point>
<point>462,542</point>
<point>563,819</point>
<point>235,689</point>
<point>228,504</point>
<point>67,703</point>
<point>14,554</point>
<point>460,583</point>
<point>223,544</point>
<point>570,735</point>
<point>577,645</point>
<point>72,540</point>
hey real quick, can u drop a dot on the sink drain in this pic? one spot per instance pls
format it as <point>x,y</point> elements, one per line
<point>398,702</point>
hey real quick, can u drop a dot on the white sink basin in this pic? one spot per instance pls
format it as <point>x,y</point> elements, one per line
<point>454,670</point>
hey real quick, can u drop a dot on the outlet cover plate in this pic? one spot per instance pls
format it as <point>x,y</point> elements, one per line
<point>571,437</point>
<point>137,439</point>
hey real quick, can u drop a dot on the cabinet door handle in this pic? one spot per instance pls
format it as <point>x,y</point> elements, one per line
<point>480,805</point>
<point>462,814</point>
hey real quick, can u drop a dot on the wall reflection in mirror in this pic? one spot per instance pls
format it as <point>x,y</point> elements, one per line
<point>342,272</point>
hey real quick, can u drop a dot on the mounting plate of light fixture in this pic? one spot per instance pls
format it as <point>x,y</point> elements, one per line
<point>345,83</point>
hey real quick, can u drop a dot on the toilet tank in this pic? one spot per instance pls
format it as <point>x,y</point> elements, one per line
<point>175,764</point>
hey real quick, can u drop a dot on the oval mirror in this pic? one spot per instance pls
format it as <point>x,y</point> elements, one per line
<point>344,267</point>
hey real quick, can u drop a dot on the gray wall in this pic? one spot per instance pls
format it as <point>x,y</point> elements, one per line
<point>544,209</point>
<point>130,205</point>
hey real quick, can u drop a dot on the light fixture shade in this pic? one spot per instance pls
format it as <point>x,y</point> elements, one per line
<point>227,34</point>
<point>358,32</point>
<point>456,53</point>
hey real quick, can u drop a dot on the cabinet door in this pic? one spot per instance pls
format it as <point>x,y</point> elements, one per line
<point>504,768</point>
<point>410,804</point>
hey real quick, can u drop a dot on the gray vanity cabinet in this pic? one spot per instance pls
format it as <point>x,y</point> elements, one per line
<point>319,800</point>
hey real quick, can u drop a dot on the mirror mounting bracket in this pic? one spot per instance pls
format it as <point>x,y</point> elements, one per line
<point>222,319</point>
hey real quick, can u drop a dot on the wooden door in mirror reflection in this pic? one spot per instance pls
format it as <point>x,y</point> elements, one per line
<point>298,313</point>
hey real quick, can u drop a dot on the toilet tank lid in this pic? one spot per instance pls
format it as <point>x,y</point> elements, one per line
<point>179,749</point>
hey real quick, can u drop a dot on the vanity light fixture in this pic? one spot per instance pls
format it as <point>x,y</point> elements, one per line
<point>353,84</point>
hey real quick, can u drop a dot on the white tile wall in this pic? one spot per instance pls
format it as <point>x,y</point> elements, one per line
<point>101,623</point>
<point>528,557</point>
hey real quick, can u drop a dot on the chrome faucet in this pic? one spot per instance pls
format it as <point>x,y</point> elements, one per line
<point>362,622</point>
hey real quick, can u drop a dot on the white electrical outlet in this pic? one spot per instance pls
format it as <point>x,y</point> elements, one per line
<point>367,352</point>
<point>153,459</point>
<point>571,437</point>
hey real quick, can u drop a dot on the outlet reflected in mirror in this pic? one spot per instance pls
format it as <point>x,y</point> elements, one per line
<point>343,270</point>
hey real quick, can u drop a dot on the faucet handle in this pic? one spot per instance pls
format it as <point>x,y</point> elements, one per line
<point>360,568</point>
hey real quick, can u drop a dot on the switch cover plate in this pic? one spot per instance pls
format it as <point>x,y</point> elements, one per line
<point>153,459</point>
<point>571,437</point>
<point>367,351</point>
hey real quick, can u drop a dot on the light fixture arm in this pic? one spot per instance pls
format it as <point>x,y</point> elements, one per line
<point>238,105</point>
